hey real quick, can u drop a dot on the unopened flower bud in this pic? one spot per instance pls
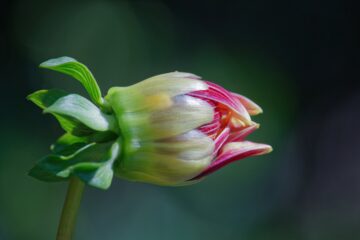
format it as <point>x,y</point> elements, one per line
<point>171,129</point>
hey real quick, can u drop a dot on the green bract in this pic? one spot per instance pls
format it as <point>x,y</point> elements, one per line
<point>91,143</point>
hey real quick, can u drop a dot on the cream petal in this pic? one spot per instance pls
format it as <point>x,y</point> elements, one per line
<point>170,161</point>
<point>188,146</point>
<point>178,75</point>
<point>148,94</point>
<point>185,114</point>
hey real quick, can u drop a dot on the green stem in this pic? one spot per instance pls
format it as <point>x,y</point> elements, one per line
<point>70,209</point>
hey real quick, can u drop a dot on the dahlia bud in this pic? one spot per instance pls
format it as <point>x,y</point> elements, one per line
<point>171,129</point>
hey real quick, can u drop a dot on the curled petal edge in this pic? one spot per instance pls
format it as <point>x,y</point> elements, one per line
<point>251,107</point>
<point>241,134</point>
<point>225,98</point>
<point>232,152</point>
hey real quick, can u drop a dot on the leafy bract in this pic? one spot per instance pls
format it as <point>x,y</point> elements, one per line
<point>46,98</point>
<point>91,143</point>
<point>68,139</point>
<point>84,111</point>
<point>80,72</point>
<point>92,163</point>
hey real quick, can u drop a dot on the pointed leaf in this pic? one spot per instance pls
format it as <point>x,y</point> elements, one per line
<point>99,176</point>
<point>81,109</point>
<point>46,98</point>
<point>93,163</point>
<point>68,140</point>
<point>80,72</point>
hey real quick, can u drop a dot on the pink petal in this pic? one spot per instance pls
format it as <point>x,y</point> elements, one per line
<point>251,107</point>
<point>213,127</point>
<point>224,97</point>
<point>221,139</point>
<point>239,135</point>
<point>235,151</point>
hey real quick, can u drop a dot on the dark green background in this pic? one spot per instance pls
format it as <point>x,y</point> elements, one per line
<point>297,59</point>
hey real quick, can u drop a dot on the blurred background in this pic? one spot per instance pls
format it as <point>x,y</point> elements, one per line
<point>299,60</point>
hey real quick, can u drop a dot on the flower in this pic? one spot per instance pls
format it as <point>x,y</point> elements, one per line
<point>177,128</point>
<point>171,129</point>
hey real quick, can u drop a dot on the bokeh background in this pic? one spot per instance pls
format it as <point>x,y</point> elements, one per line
<point>298,59</point>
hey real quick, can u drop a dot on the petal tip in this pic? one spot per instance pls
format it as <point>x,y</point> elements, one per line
<point>261,149</point>
<point>267,149</point>
<point>251,106</point>
<point>257,111</point>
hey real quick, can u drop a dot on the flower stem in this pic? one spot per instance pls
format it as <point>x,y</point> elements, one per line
<point>70,209</point>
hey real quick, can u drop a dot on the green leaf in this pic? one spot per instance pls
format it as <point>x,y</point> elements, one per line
<point>99,176</point>
<point>73,126</point>
<point>46,98</point>
<point>101,137</point>
<point>80,72</point>
<point>93,163</point>
<point>68,139</point>
<point>81,109</point>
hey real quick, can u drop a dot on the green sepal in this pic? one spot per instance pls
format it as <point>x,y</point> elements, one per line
<point>92,163</point>
<point>84,111</point>
<point>80,72</point>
